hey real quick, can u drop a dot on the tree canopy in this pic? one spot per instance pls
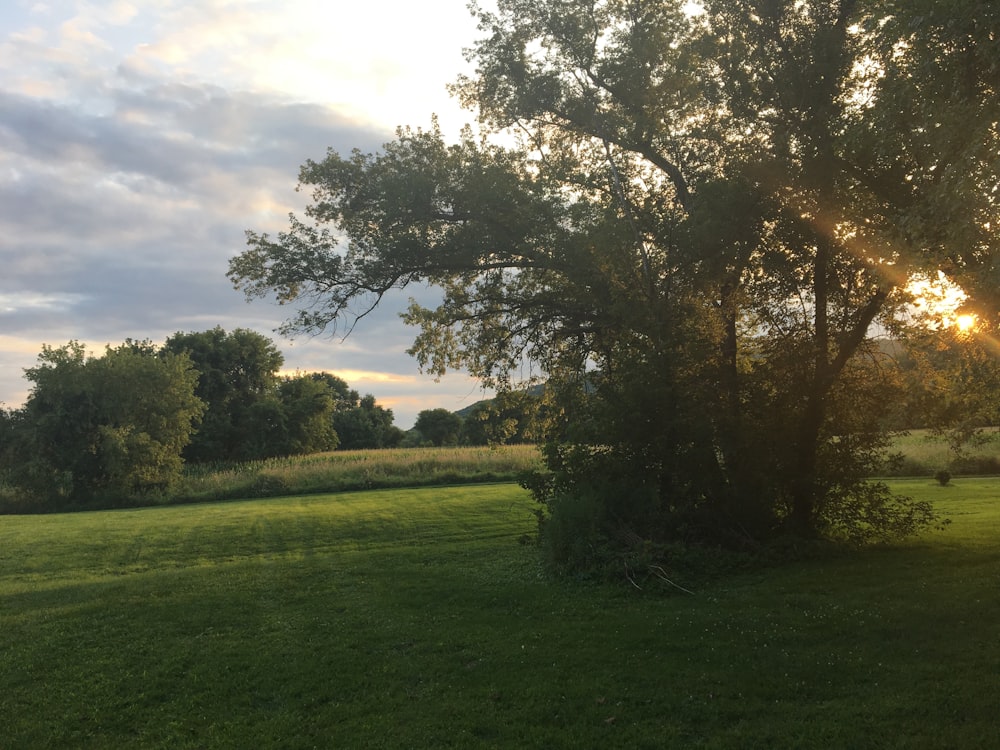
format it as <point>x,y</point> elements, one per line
<point>439,426</point>
<point>691,227</point>
<point>99,429</point>
<point>105,426</point>
<point>237,375</point>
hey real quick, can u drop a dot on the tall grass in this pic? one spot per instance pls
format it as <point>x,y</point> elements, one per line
<point>337,471</point>
<point>925,452</point>
<point>341,471</point>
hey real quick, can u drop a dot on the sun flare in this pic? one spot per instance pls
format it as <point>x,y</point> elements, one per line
<point>965,322</point>
<point>937,300</point>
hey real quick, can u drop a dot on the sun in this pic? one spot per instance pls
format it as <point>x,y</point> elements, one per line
<point>965,322</point>
<point>936,301</point>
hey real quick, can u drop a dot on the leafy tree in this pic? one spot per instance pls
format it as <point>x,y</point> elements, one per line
<point>361,423</point>
<point>238,375</point>
<point>511,417</point>
<point>439,426</point>
<point>477,422</point>
<point>308,404</point>
<point>692,227</point>
<point>341,392</point>
<point>952,385</point>
<point>104,426</point>
<point>254,413</point>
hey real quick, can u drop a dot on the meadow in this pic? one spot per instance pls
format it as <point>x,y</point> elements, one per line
<point>335,471</point>
<point>925,452</point>
<point>339,471</point>
<point>413,618</point>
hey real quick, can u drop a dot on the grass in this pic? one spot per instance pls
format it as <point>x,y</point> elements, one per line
<point>340,471</point>
<point>925,453</point>
<point>337,471</point>
<point>412,619</point>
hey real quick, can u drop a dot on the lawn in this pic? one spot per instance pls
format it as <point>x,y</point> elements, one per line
<point>414,619</point>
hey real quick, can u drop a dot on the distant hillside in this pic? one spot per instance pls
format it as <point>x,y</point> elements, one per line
<point>465,411</point>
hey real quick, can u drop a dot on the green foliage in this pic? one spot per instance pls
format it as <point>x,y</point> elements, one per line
<point>115,429</point>
<point>238,372</point>
<point>692,229</point>
<point>101,427</point>
<point>952,383</point>
<point>511,417</point>
<point>439,426</point>
<point>254,413</point>
<point>361,423</point>
<point>871,512</point>
<point>308,405</point>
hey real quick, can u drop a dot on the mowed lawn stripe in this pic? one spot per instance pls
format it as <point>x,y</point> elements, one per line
<point>415,619</point>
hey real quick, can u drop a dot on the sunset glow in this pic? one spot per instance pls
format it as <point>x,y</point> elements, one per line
<point>937,301</point>
<point>965,322</point>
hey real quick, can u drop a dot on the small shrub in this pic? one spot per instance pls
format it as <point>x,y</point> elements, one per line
<point>943,477</point>
<point>870,512</point>
<point>572,534</point>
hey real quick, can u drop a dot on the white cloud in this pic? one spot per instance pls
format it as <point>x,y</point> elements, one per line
<point>14,302</point>
<point>139,140</point>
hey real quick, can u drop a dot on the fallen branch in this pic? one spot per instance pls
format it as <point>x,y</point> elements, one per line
<point>661,574</point>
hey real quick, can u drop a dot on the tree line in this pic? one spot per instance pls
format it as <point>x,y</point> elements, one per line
<point>125,422</point>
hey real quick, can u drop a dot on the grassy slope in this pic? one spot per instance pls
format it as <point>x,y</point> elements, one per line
<point>412,618</point>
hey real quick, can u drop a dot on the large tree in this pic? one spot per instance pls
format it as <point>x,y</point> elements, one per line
<point>709,213</point>
<point>101,427</point>
<point>362,423</point>
<point>439,426</point>
<point>238,372</point>
<point>308,404</point>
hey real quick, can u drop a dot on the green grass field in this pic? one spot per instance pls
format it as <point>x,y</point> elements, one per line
<point>318,473</point>
<point>414,619</point>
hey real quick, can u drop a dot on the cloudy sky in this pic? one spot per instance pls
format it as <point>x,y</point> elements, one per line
<point>139,140</point>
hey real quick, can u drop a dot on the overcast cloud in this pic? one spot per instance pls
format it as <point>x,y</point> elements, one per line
<point>138,141</point>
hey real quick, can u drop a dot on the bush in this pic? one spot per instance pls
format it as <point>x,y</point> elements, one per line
<point>869,512</point>
<point>597,511</point>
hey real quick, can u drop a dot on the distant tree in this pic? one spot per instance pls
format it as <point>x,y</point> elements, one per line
<point>308,404</point>
<point>476,423</point>
<point>361,423</point>
<point>106,426</point>
<point>9,456</point>
<point>511,417</point>
<point>439,426</point>
<point>341,392</point>
<point>951,384</point>
<point>238,375</point>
